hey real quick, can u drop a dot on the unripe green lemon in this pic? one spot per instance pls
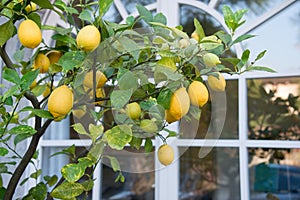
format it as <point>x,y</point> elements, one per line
<point>148,126</point>
<point>165,154</point>
<point>133,110</point>
<point>211,60</point>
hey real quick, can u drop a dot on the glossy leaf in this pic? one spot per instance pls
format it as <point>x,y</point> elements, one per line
<point>118,136</point>
<point>11,75</point>
<point>199,29</point>
<point>114,163</point>
<point>104,5</point>
<point>144,13</point>
<point>242,38</point>
<point>7,31</point>
<point>148,145</point>
<point>119,98</point>
<point>3,151</point>
<point>28,79</point>
<point>164,98</point>
<point>43,3</point>
<point>73,172</point>
<point>67,190</point>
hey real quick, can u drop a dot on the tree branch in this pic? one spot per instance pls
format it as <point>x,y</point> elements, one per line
<point>24,162</point>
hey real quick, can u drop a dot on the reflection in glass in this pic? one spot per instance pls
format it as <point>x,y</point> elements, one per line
<point>255,8</point>
<point>130,5</point>
<point>274,106</point>
<point>219,117</point>
<point>274,173</point>
<point>215,176</point>
<point>187,15</point>
<point>138,172</point>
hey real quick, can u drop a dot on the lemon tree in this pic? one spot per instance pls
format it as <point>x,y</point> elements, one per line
<point>145,79</point>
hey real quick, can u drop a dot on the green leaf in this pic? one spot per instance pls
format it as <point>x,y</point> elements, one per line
<point>118,136</point>
<point>128,81</point>
<point>245,56</point>
<point>7,31</point>
<point>260,55</point>
<point>104,5</point>
<point>36,18</point>
<point>148,145</point>
<point>228,16</point>
<point>78,127</point>
<point>22,129</point>
<point>136,142</point>
<point>260,68</point>
<point>42,113</point>
<point>51,180</point>
<point>11,91</point>
<point>120,178</point>
<point>3,151</point>
<point>95,131</point>
<point>43,3</point>
<point>114,163</point>
<point>164,98</point>
<point>28,79</point>
<point>130,20</point>
<point>119,98</point>
<point>85,15</point>
<point>11,75</point>
<point>61,31</point>
<point>199,29</point>
<point>20,138</point>
<point>242,38</point>
<point>96,151</point>
<point>160,18</point>
<point>39,191</point>
<point>67,190</point>
<point>144,13</point>
<point>88,185</point>
<point>73,172</point>
<point>36,174</point>
<point>70,60</point>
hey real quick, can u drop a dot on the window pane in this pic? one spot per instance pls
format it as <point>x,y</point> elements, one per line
<point>280,37</point>
<point>274,106</point>
<point>255,8</point>
<point>274,173</point>
<point>215,176</point>
<point>130,5</point>
<point>138,170</point>
<point>219,117</point>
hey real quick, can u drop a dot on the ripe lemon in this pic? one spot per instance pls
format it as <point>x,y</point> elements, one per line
<point>165,154</point>
<point>211,60</point>
<point>195,36</point>
<point>60,101</point>
<point>217,84</point>
<point>169,118</point>
<point>180,104</point>
<point>100,79</point>
<point>41,62</point>
<point>33,84</point>
<point>148,126</point>
<point>30,7</point>
<point>198,93</point>
<point>133,110</point>
<point>54,56</point>
<point>79,112</point>
<point>29,34</point>
<point>99,94</point>
<point>88,38</point>
<point>47,90</point>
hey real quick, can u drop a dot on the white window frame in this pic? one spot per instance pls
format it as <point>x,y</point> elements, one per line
<point>167,179</point>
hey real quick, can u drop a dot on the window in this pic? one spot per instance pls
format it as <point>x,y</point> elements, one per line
<point>251,149</point>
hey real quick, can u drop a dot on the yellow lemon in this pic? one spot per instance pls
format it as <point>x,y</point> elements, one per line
<point>198,93</point>
<point>47,91</point>
<point>211,60</point>
<point>133,110</point>
<point>60,101</point>
<point>79,112</point>
<point>99,94</point>
<point>29,34</point>
<point>30,7</point>
<point>165,154</point>
<point>41,62</point>
<point>180,104</point>
<point>217,84</point>
<point>33,84</point>
<point>88,38</point>
<point>169,118</point>
<point>100,79</point>
<point>54,56</point>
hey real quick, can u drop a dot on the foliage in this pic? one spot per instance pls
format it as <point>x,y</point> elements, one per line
<point>129,57</point>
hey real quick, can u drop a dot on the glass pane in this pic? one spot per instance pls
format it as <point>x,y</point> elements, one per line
<point>130,5</point>
<point>274,174</point>
<point>113,15</point>
<point>214,177</point>
<point>280,36</point>
<point>138,170</point>
<point>255,8</point>
<point>187,15</point>
<point>274,105</point>
<point>219,117</point>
